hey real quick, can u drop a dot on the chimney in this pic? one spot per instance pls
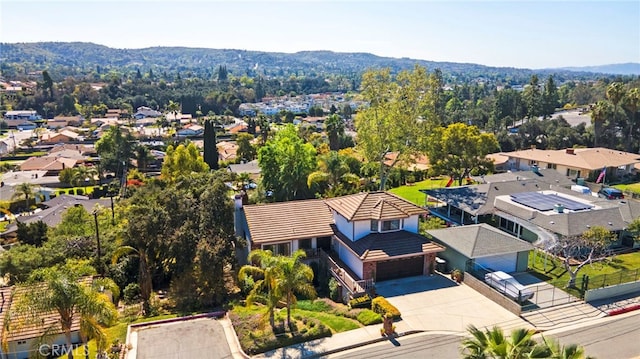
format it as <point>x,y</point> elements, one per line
<point>570,151</point>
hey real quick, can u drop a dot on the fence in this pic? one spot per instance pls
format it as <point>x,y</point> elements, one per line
<point>611,279</point>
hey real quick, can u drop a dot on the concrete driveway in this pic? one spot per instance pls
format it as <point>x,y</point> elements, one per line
<point>198,338</point>
<point>437,303</point>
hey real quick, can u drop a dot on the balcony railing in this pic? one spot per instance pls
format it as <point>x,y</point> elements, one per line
<point>353,285</point>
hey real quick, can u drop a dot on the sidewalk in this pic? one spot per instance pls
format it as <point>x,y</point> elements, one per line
<point>371,334</point>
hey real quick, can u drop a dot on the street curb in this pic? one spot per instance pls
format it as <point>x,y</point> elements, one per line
<point>623,310</point>
<point>361,344</point>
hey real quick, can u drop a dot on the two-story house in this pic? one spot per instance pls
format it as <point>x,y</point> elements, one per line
<point>368,236</point>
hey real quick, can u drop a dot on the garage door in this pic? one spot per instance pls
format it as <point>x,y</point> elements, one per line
<point>504,262</point>
<point>399,268</point>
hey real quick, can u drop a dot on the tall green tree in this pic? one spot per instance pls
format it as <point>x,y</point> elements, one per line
<point>115,149</point>
<point>335,130</point>
<point>246,151</point>
<point>400,113</point>
<point>47,83</point>
<point>600,114</point>
<point>174,108</point>
<point>210,143</point>
<point>334,176</point>
<point>459,149</point>
<point>533,98</point>
<point>61,290</point>
<point>286,162</point>
<point>182,160</point>
<point>550,98</point>
<point>632,103</point>
<point>24,190</point>
<point>32,233</point>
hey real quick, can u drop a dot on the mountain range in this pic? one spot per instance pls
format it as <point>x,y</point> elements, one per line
<point>78,58</point>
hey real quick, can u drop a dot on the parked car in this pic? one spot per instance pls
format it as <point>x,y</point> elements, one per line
<point>610,193</point>
<point>509,286</point>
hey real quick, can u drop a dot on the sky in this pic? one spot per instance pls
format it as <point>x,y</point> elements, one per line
<point>540,34</point>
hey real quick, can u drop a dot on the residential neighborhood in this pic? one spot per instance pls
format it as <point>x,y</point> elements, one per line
<point>163,198</point>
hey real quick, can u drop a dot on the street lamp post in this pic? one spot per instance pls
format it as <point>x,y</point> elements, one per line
<point>99,260</point>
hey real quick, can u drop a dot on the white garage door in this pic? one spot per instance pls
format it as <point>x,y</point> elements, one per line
<point>504,262</point>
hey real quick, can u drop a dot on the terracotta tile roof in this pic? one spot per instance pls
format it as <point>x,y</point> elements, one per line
<point>288,220</point>
<point>587,158</point>
<point>48,163</point>
<point>373,205</point>
<point>381,246</point>
<point>9,296</point>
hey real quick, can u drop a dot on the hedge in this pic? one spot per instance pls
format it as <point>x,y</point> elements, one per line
<point>360,302</point>
<point>382,306</point>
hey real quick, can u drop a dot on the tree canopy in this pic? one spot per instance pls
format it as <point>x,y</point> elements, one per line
<point>459,149</point>
<point>286,162</point>
<point>181,161</point>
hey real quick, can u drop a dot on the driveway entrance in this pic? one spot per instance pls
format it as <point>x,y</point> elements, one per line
<point>437,303</point>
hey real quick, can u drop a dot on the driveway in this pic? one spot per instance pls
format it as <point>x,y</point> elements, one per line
<point>437,303</point>
<point>190,339</point>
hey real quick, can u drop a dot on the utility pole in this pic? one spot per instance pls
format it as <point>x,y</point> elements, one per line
<point>99,260</point>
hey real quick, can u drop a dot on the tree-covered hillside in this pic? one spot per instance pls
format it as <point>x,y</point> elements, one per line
<point>81,59</point>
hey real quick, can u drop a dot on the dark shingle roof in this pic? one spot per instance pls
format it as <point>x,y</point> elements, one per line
<point>380,246</point>
<point>479,240</point>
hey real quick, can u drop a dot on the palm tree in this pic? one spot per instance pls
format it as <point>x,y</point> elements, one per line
<point>334,174</point>
<point>62,291</point>
<point>492,343</point>
<point>25,190</point>
<point>265,289</point>
<point>599,114</point>
<point>631,103</point>
<point>335,128</point>
<point>295,277</point>
<point>174,108</point>
<point>83,175</point>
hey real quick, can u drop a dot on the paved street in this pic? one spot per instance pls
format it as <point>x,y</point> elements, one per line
<point>605,338</point>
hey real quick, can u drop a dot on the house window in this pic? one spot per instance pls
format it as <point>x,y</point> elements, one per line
<point>304,243</point>
<point>572,172</point>
<point>551,166</point>
<point>374,225</point>
<point>282,249</point>
<point>391,225</point>
<point>532,162</point>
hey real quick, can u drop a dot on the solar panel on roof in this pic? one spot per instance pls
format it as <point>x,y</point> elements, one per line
<point>546,202</point>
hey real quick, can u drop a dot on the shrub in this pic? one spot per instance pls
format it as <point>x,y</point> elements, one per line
<point>368,317</point>
<point>360,302</point>
<point>334,290</point>
<point>382,306</point>
<point>80,192</point>
<point>131,293</point>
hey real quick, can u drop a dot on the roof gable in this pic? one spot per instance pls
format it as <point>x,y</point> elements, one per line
<point>373,205</point>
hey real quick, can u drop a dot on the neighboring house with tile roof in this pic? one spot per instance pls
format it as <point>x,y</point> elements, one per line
<point>63,136</point>
<point>482,245</point>
<point>373,235</point>
<point>23,341</point>
<point>576,162</point>
<point>538,220</point>
<point>53,165</point>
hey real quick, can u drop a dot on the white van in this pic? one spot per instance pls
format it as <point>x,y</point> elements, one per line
<point>508,286</point>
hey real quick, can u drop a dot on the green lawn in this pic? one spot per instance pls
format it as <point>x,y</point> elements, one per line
<point>632,187</point>
<point>622,268</point>
<point>85,190</point>
<point>336,323</point>
<point>412,192</point>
